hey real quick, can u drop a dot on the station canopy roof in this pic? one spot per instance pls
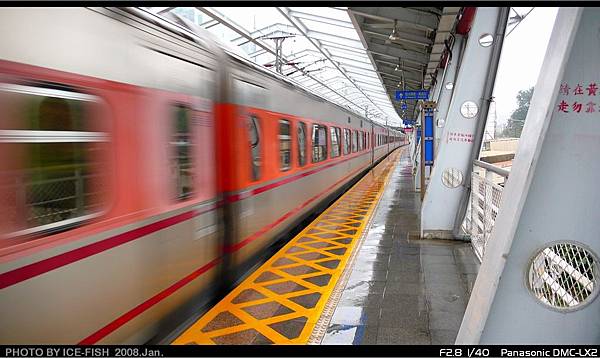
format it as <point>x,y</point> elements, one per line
<point>342,54</point>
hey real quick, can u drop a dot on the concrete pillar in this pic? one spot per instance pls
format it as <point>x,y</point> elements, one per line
<point>416,158</point>
<point>451,174</point>
<point>537,284</point>
<point>446,90</point>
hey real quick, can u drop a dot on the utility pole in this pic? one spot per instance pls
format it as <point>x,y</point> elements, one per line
<point>279,39</point>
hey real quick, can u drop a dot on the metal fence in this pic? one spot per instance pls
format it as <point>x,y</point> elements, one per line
<point>487,182</point>
<point>562,275</point>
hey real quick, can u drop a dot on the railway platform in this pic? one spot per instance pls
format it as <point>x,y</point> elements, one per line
<point>352,276</point>
<point>318,176</point>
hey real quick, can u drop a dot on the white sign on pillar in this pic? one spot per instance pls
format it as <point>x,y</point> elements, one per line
<point>453,161</point>
<point>446,91</point>
<point>539,279</point>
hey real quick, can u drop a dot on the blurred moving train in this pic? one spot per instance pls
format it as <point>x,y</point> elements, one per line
<point>142,163</point>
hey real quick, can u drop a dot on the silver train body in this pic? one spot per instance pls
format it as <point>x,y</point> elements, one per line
<point>134,273</point>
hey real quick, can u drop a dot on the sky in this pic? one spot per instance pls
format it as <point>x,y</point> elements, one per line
<point>521,58</point>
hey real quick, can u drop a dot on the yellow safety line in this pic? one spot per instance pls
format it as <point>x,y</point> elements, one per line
<point>284,307</point>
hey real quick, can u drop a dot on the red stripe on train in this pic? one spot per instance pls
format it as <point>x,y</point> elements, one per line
<point>114,325</point>
<point>35,269</point>
<point>139,309</point>
<point>257,234</point>
<point>26,272</point>
<point>252,192</point>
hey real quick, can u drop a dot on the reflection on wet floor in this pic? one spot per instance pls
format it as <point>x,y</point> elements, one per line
<point>403,291</point>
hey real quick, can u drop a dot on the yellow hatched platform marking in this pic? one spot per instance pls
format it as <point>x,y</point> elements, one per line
<point>281,302</point>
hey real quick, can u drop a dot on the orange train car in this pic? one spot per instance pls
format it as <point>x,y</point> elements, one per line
<point>143,165</point>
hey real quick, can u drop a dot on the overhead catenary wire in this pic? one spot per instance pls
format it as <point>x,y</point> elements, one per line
<point>519,18</point>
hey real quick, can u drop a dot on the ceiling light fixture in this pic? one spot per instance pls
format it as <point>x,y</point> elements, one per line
<point>394,35</point>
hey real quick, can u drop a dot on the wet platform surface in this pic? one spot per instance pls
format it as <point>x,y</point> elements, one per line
<point>288,299</point>
<point>403,291</point>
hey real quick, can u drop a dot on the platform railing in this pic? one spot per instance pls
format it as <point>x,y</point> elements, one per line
<point>487,182</point>
<point>561,276</point>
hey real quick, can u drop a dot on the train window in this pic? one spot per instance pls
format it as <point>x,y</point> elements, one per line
<point>346,141</point>
<point>181,150</point>
<point>51,149</point>
<point>354,141</point>
<point>319,143</point>
<point>335,141</point>
<point>254,136</point>
<point>301,144</point>
<point>285,145</point>
<point>361,141</point>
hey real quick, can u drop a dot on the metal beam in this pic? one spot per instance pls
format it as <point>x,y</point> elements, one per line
<point>404,37</point>
<point>238,29</point>
<point>318,35</point>
<point>324,88</point>
<point>343,47</point>
<point>396,53</point>
<point>404,66</point>
<point>427,10</point>
<point>165,10</point>
<point>407,16</point>
<point>387,76</point>
<point>410,75</point>
<point>300,27</point>
<point>415,49</point>
<point>353,59</point>
<point>365,43</point>
<point>321,19</point>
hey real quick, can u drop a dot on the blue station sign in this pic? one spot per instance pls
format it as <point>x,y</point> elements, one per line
<point>420,94</point>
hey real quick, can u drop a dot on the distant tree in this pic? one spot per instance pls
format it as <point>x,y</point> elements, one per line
<point>514,127</point>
